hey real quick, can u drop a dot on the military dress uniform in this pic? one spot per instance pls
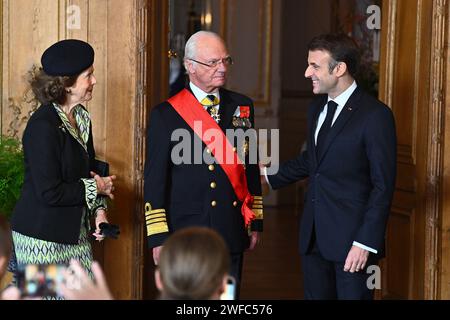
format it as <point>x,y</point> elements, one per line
<point>197,193</point>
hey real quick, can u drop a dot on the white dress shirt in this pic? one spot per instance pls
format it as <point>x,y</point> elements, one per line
<point>200,94</point>
<point>341,100</point>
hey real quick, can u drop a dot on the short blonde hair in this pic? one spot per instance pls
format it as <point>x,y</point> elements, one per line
<point>193,264</point>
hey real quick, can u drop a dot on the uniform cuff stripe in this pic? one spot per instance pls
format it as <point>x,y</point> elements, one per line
<point>154,216</point>
<point>157,228</point>
<point>152,221</point>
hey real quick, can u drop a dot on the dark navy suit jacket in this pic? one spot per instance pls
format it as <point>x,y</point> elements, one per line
<point>351,183</point>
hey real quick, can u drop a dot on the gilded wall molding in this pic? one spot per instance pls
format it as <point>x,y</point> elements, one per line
<point>387,73</point>
<point>435,153</point>
<point>141,9</point>
<point>263,51</point>
<point>223,19</point>
<point>17,102</point>
<point>19,118</point>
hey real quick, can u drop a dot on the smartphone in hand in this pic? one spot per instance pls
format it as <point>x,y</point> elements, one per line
<point>40,280</point>
<point>230,289</point>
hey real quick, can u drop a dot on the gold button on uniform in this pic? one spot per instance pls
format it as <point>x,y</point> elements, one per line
<point>213,185</point>
<point>234,149</point>
<point>235,204</point>
<point>214,203</point>
<point>208,151</point>
<point>211,167</point>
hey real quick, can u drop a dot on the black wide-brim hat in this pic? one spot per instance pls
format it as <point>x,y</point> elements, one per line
<point>67,58</point>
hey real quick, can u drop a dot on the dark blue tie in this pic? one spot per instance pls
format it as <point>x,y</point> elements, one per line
<point>326,126</point>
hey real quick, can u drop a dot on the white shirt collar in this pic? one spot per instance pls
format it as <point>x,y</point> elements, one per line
<point>342,99</point>
<point>200,94</point>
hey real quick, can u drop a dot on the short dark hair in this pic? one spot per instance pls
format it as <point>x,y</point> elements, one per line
<point>48,89</point>
<point>341,47</point>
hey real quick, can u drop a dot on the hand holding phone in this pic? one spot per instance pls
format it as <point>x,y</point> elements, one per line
<point>230,289</point>
<point>40,280</point>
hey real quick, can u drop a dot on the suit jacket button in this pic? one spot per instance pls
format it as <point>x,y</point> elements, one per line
<point>213,203</point>
<point>235,204</point>
<point>213,185</point>
<point>211,167</point>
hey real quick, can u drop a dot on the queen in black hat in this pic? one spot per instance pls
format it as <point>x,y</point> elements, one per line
<point>61,190</point>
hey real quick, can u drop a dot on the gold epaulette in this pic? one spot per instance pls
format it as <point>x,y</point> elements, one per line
<point>257,207</point>
<point>155,220</point>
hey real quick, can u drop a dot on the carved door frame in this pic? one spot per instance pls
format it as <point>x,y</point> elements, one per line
<point>430,256</point>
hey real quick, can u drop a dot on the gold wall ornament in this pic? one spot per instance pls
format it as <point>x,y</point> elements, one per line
<point>20,112</point>
<point>12,129</point>
<point>171,54</point>
<point>14,124</point>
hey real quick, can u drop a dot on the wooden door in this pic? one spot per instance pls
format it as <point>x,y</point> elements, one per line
<point>412,83</point>
<point>126,37</point>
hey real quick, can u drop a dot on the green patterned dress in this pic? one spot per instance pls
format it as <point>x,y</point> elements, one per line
<point>35,251</point>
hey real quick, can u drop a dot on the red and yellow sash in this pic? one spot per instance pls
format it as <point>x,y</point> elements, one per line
<point>191,111</point>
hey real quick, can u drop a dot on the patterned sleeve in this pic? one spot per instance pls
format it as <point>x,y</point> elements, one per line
<point>94,201</point>
<point>100,204</point>
<point>90,187</point>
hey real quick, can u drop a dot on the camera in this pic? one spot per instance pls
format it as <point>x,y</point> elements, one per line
<point>41,280</point>
<point>230,289</point>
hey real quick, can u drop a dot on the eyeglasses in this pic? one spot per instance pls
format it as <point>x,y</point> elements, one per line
<point>228,61</point>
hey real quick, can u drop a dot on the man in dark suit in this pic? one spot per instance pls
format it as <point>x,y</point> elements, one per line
<point>351,164</point>
<point>182,188</point>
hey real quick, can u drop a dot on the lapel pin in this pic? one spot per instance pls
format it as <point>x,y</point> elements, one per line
<point>349,108</point>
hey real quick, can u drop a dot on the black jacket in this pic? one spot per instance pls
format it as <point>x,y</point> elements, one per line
<point>53,196</point>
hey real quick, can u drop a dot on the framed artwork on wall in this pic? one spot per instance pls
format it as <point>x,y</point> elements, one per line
<point>361,19</point>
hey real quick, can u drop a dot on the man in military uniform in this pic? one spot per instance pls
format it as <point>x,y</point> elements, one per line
<point>194,192</point>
